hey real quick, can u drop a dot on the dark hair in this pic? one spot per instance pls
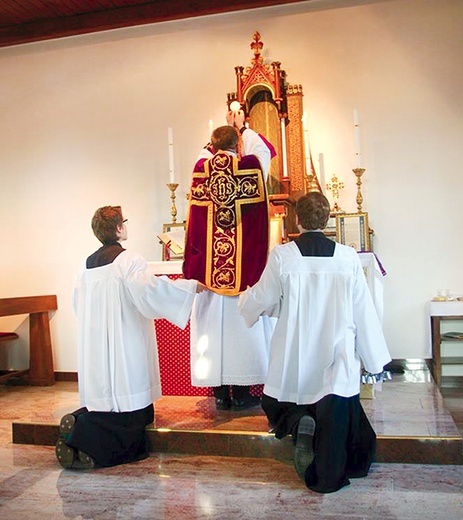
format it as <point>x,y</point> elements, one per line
<point>105,222</point>
<point>224,138</point>
<point>313,210</point>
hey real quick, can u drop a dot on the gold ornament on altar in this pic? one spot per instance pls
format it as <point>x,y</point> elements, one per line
<point>335,186</point>
<point>312,183</point>
<point>173,209</point>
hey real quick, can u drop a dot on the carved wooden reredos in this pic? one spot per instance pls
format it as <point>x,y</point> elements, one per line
<point>274,109</point>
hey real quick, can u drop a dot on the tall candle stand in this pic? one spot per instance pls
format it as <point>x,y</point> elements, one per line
<point>173,209</point>
<point>358,173</point>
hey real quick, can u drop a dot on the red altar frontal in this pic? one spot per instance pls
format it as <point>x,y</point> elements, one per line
<point>174,347</point>
<point>174,359</point>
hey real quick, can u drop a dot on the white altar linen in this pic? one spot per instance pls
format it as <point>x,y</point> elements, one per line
<point>374,278</point>
<point>446,308</point>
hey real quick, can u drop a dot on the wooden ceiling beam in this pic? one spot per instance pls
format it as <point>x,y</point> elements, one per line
<point>128,16</point>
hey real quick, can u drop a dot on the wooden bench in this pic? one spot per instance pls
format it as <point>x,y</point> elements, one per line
<point>41,371</point>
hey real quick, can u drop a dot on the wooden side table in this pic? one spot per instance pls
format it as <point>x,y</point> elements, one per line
<point>445,315</point>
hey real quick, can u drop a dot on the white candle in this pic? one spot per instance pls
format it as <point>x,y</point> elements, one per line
<point>357,137</point>
<point>170,141</point>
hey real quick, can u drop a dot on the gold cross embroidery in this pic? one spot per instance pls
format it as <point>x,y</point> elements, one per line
<point>224,189</point>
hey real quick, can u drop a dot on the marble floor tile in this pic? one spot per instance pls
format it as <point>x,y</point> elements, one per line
<point>186,487</point>
<point>33,486</point>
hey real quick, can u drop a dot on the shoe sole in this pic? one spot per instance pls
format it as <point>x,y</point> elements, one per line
<point>303,451</point>
<point>65,454</point>
<point>70,458</point>
<point>86,462</point>
<point>66,425</point>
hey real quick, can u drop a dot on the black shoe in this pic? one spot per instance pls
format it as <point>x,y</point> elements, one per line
<point>303,450</point>
<point>250,401</point>
<point>223,404</point>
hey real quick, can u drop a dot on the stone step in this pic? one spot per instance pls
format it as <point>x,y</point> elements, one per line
<point>403,449</point>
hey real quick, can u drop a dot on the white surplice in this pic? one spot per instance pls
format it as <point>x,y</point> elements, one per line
<point>224,351</point>
<point>115,305</point>
<point>327,324</point>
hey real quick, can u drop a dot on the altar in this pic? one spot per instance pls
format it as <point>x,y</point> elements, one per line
<point>174,343</point>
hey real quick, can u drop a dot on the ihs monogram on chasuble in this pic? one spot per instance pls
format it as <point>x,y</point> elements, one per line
<point>225,190</point>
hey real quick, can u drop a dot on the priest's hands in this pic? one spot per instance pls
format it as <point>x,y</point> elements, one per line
<point>230,117</point>
<point>239,119</point>
<point>236,118</point>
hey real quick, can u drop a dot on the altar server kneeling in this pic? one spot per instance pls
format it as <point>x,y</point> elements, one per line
<point>116,300</point>
<point>327,327</point>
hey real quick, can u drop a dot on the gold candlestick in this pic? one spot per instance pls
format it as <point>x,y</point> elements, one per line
<point>173,209</point>
<point>335,186</point>
<point>358,173</point>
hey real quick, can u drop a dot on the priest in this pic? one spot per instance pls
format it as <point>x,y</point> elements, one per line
<point>327,328</point>
<point>226,248</point>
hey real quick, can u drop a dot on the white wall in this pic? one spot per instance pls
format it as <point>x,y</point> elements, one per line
<point>84,124</point>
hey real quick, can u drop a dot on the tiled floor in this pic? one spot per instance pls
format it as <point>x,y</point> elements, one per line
<point>178,487</point>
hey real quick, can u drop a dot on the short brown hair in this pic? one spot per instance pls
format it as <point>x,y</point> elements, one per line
<point>105,222</point>
<point>313,210</point>
<point>224,138</point>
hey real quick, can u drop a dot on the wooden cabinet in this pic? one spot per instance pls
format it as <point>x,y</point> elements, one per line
<point>446,340</point>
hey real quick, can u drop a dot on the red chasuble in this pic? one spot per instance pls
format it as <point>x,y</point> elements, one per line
<point>228,225</point>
